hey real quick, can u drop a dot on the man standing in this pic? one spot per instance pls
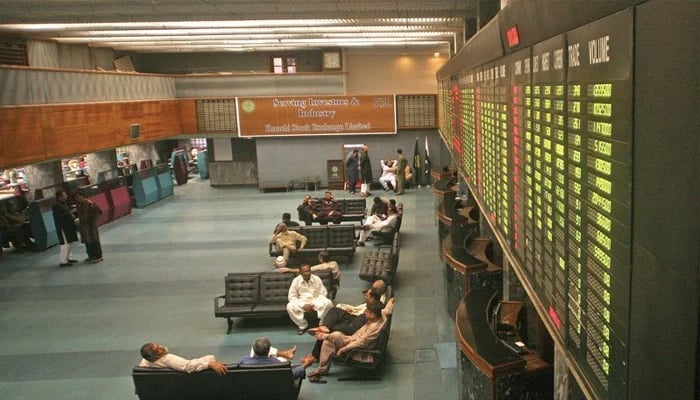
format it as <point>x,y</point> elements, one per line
<point>337,343</point>
<point>88,213</point>
<point>157,356</point>
<point>286,241</point>
<point>365,171</point>
<point>64,219</point>
<point>352,166</point>
<point>400,172</point>
<point>261,356</point>
<point>307,294</point>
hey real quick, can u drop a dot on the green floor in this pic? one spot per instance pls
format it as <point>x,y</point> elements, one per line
<point>74,333</point>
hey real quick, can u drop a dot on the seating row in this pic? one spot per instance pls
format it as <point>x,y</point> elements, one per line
<point>381,263</point>
<point>241,382</point>
<point>353,209</point>
<point>337,240</point>
<point>261,294</point>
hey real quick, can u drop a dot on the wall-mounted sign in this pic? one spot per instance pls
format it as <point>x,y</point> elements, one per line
<point>316,115</point>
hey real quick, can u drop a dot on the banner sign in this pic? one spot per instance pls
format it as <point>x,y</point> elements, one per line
<point>316,115</point>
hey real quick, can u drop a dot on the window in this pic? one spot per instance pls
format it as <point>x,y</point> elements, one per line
<point>13,52</point>
<point>198,143</point>
<point>283,64</point>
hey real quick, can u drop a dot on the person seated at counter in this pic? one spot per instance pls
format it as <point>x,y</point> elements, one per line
<point>15,228</point>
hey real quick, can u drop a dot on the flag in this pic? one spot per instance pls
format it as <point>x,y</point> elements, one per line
<point>417,165</point>
<point>426,161</point>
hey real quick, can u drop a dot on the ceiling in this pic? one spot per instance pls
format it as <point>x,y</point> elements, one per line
<point>235,25</point>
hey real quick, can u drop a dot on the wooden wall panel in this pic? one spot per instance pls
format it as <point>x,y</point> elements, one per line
<point>78,129</point>
<point>188,115</point>
<point>22,135</point>
<point>30,134</point>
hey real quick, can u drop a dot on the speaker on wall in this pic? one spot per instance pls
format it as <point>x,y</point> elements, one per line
<point>134,131</point>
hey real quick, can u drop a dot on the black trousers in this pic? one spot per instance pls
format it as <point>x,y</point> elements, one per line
<point>94,249</point>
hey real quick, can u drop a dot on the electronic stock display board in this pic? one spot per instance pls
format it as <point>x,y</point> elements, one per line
<point>544,136</point>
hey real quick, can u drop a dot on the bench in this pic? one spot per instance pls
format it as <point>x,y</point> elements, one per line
<point>381,263</point>
<point>242,382</point>
<point>337,240</point>
<point>267,186</point>
<point>354,209</point>
<point>261,294</point>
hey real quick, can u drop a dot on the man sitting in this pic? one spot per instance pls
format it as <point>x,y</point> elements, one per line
<point>286,241</point>
<point>287,220</point>
<point>376,223</point>
<point>325,264</point>
<point>328,210</point>
<point>308,210</point>
<point>157,356</point>
<point>337,343</point>
<point>348,319</point>
<point>379,207</point>
<point>307,294</point>
<point>260,356</point>
<point>388,178</point>
<point>15,228</point>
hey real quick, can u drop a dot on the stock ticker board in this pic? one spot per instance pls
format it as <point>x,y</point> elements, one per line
<point>544,140</point>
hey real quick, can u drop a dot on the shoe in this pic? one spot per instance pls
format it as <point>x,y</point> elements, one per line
<point>65,264</point>
<point>317,379</point>
<point>301,331</point>
<point>96,260</point>
<point>72,261</point>
<point>360,244</point>
<point>87,259</point>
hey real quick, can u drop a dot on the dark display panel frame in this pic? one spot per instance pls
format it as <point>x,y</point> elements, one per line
<point>614,304</point>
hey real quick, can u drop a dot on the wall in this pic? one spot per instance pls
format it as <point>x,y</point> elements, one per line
<point>280,159</point>
<point>208,86</point>
<point>197,63</point>
<point>384,72</point>
<point>55,55</point>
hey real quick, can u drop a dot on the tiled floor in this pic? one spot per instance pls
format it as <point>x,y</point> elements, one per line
<point>74,333</point>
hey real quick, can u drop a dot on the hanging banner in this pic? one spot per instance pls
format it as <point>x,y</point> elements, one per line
<point>316,115</point>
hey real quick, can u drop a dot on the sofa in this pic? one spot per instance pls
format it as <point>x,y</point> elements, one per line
<point>242,382</point>
<point>337,240</point>
<point>261,294</point>
<point>354,209</point>
<point>381,263</point>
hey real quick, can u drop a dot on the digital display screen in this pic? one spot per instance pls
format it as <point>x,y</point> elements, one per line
<point>544,141</point>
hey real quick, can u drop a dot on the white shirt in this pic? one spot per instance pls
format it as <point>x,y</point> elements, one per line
<point>375,223</point>
<point>330,265</point>
<point>388,171</point>
<point>302,292</point>
<point>178,363</point>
